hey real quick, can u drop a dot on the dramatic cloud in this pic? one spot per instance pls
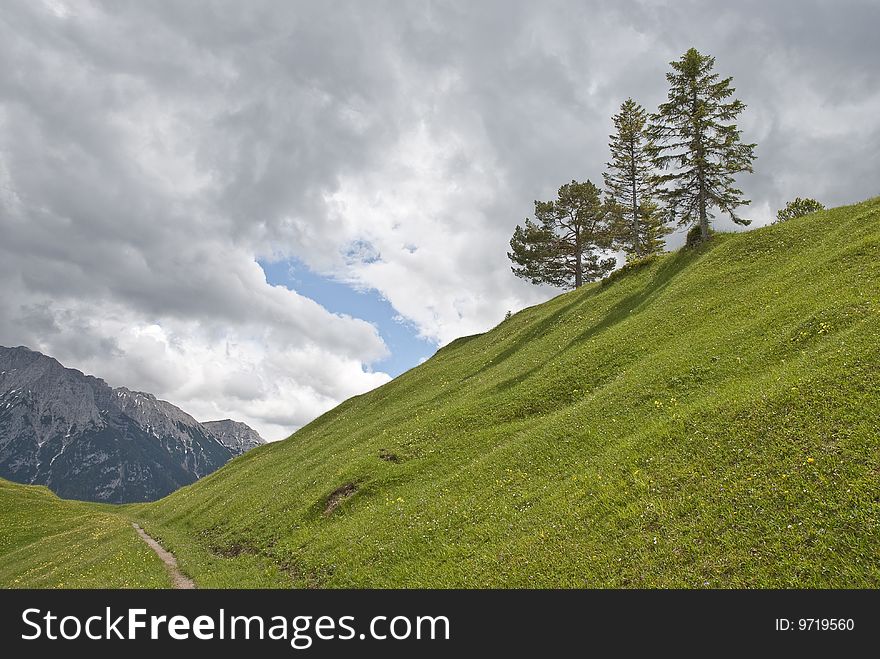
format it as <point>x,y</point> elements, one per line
<point>151,153</point>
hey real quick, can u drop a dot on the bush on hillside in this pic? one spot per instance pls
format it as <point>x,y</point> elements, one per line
<point>694,237</point>
<point>798,208</point>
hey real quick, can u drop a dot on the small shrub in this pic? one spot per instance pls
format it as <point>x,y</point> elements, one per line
<point>695,236</point>
<point>798,208</point>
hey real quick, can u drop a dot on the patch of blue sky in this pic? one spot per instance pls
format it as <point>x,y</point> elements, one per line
<point>406,348</point>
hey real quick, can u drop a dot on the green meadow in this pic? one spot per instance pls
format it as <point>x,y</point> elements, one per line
<point>47,542</point>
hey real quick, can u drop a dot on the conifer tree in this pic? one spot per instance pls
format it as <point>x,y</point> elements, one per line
<point>563,246</point>
<point>629,177</point>
<point>693,137</point>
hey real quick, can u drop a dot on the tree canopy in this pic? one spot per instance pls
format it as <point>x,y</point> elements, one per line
<point>629,183</point>
<point>563,246</point>
<point>697,145</point>
<point>674,166</point>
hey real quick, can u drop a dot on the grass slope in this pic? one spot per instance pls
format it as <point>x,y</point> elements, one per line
<point>706,419</point>
<point>49,542</point>
<point>709,418</point>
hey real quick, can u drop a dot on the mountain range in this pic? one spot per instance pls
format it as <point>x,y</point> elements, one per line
<point>86,440</point>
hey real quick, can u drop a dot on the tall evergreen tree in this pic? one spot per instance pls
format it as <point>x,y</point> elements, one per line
<point>629,177</point>
<point>563,246</point>
<point>694,137</point>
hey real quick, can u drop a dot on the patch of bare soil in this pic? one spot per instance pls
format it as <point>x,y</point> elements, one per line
<point>339,495</point>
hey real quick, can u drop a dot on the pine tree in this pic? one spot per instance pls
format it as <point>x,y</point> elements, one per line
<point>629,177</point>
<point>694,137</point>
<point>563,246</point>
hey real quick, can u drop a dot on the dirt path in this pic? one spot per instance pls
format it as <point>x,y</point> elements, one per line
<point>179,578</point>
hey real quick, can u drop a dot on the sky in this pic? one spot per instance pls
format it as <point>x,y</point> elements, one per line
<point>258,209</point>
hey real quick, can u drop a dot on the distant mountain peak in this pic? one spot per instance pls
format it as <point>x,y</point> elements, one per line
<point>125,391</point>
<point>238,437</point>
<point>75,434</point>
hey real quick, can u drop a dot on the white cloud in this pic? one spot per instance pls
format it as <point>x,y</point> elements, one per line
<point>434,251</point>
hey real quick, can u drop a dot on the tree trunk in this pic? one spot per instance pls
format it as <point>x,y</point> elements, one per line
<point>635,204</point>
<point>578,275</point>
<point>704,217</point>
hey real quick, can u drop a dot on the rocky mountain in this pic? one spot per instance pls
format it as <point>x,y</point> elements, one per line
<point>85,440</point>
<point>238,437</point>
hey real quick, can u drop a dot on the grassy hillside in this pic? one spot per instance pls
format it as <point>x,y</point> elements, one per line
<point>710,418</point>
<point>707,419</point>
<point>49,542</point>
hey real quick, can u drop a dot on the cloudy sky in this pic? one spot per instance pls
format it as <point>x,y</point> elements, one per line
<point>258,209</point>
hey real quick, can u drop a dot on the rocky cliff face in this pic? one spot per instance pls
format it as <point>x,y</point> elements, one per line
<point>84,440</point>
<point>238,437</point>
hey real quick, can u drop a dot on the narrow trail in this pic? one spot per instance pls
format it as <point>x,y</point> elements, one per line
<point>179,579</point>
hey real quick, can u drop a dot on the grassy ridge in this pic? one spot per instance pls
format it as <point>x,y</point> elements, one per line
<point>709,418</point>
<point>47,542</point>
